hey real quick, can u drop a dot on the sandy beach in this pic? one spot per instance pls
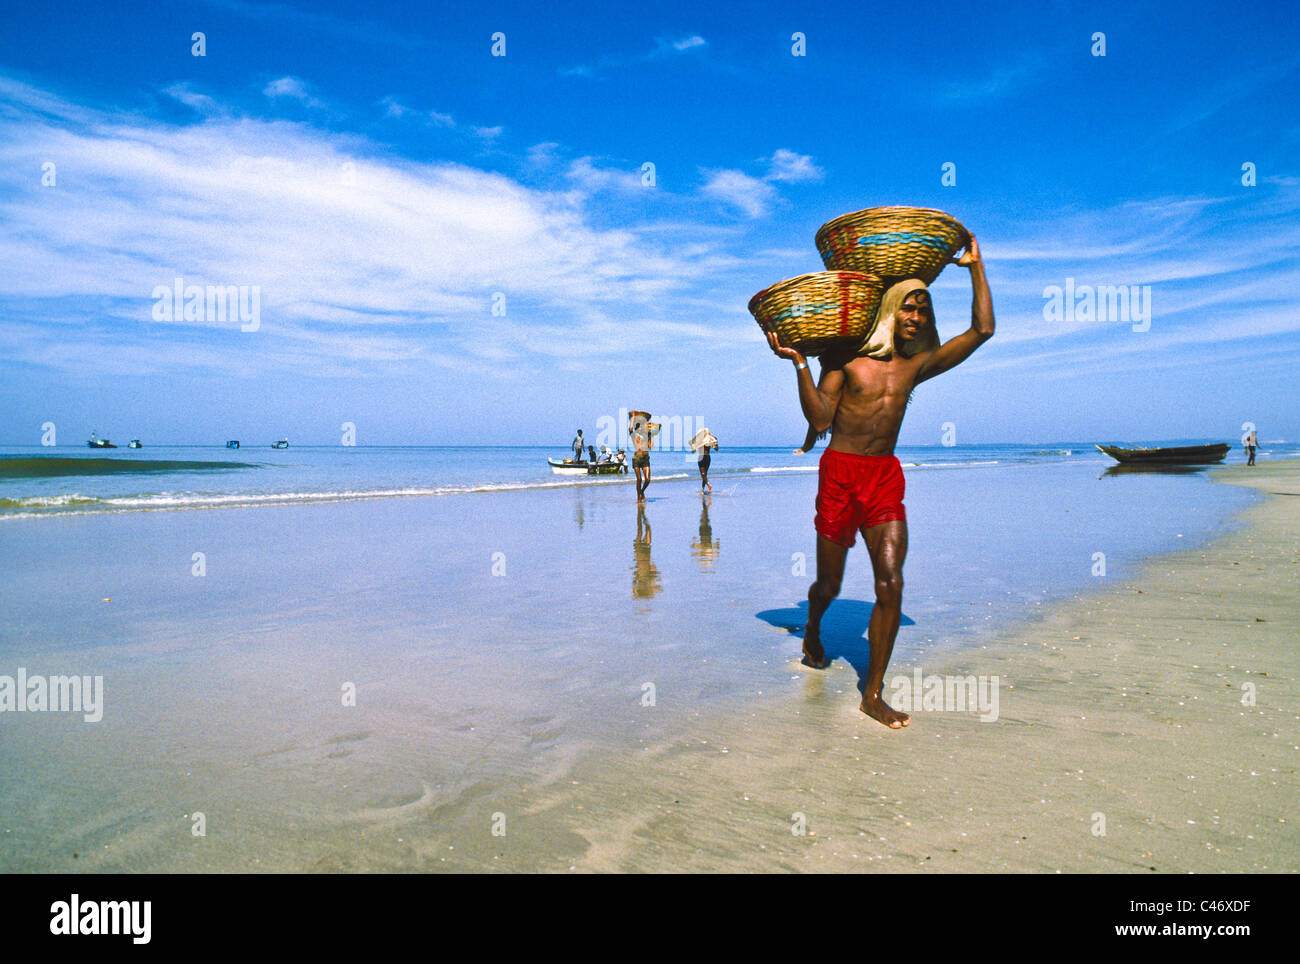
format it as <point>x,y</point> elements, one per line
<point>625,694</point>
<point>1126,704</point>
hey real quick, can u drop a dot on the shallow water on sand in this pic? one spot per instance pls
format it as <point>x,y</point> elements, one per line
<point>492,641</point>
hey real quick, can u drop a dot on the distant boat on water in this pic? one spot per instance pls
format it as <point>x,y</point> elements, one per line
<point>134,444</point>
<point>1176,455</point>
<point>233,443</point>
<point>95,442</point>
<point>282,444</point>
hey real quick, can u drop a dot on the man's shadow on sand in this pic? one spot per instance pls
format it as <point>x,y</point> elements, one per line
<point>844,630</point>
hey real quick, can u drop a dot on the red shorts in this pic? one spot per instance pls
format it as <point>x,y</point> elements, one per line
<point>855,492</point>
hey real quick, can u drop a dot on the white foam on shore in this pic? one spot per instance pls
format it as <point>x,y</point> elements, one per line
<point>40,501</point>
<point>163,501</point>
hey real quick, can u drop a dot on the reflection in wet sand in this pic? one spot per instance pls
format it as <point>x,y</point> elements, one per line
<point>645,577</point>
<point>1157,469</point>
<point>705,549</point>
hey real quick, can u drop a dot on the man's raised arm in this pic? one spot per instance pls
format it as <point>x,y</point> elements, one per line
<point>818,401</point>
<point>957,350</point>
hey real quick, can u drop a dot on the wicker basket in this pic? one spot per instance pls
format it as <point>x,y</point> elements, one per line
<point>893,243</point>
<point>815,312</point>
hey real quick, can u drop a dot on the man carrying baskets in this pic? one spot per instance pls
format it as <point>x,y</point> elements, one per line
<point>640,428</point>
<point>861,397</point>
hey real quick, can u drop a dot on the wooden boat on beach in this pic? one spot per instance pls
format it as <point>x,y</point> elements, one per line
<point>569,467</point>
<point>1176,455</point>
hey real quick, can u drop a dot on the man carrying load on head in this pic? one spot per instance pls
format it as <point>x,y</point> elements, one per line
<point>861,398</point>
<point>638,426</point>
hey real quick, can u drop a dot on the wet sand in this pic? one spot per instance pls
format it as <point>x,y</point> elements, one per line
<point>1122,745</point>
<point>503,720</point>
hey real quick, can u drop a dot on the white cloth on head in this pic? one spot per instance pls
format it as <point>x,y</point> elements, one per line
<point>702,438</point>
<point>879,342</point>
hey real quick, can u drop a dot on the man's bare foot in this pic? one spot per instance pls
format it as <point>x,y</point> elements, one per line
<point>814,654</point>
<point>882,712</point>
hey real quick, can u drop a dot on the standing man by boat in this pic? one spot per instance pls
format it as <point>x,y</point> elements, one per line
<point>1250,447</point>
<point>577,445</point>
<point>861,398</point>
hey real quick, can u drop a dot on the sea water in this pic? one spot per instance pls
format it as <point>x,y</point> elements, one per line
<point>38,482</point>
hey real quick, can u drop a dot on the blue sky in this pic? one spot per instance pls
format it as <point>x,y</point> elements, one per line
<point>381,178</point>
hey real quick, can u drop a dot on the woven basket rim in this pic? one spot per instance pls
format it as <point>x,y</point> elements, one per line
<point>844,219</point>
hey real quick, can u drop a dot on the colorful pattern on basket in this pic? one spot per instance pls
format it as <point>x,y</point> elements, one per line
<point>804,311</point>
<point>905,237</point>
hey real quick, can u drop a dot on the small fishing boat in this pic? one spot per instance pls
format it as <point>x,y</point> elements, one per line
<point>95,442</point>
<point>134,444</point>
<point>613,466</point>
<point>567,467</point>
<point>282,444</point>
<point>1177,455</point>
<point>233,443</point>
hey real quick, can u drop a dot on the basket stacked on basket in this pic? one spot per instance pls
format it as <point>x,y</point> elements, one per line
<point>865,253</point>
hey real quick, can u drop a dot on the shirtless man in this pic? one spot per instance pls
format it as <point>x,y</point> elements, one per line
<point>638,428</point>
<point>862,397</point>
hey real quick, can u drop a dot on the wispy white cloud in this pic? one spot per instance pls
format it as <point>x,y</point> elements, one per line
<point>664,48</point>
<point>543,155</point>
<point>1222,273</point>
<point>754,196</point>
<point>291,88</point>
<point>684,44</point>
<point>390,262</point>
<point>394,108</point>
<point>1230,86</point>
<point>360,258</point>
<point>592,178</point>
<point>750,195</point>
<point>792,168</point>
<point>187,95</point>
